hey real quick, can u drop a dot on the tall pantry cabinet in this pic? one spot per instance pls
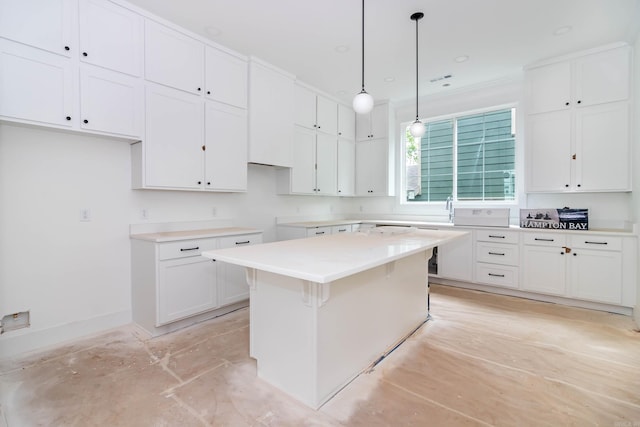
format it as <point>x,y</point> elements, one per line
<point>578,121</point>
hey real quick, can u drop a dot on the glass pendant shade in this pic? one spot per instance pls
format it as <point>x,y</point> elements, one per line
<point>363,103</point>
<point>417,129</point>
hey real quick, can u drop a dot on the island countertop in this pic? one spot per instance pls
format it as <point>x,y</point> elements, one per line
<point>331,257</point>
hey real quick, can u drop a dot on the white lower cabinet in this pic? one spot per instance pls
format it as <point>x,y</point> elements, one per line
<point>186,286</point>
<point>287,232</point>
<point>591,268</point>
<point>232,280</point>
<point>455,259</point>
<point>173,285</point>
<point>497,257</point>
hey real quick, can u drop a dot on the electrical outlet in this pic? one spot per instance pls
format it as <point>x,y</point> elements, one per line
<point>85,214</point>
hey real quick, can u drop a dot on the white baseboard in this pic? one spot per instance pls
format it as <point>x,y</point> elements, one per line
<point>23,341</point>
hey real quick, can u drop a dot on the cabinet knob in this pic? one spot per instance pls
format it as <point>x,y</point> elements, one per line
<point>579,185</point>
<point>339,133</point>
<point>84,54</point>
<point>566,185</point>
<point>561,253</point>
<point>204,148</point>
<point>208,182</point>
<point>199,89</point>
<point>575,254</point>
<point>85,121</point>
<point>566,103</point>
<point>208,92</point>
<point>579,102</point>
<point>67,48</point>
<point>199,182</point>
<point>315,126</point>
<point>68,117</point>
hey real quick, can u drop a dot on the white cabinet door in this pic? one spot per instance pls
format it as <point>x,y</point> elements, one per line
<point>186,287</point>
<point>36,86</point>
<point>543,269</point>
<point>271,101</point>
<point>549,153</point>
<point>319,231</point>
<point>548,88</point>
<point>346,122</point>
<point>326,115</point>
<point>226,78</point>
<point>602,148</point>
<point>596,275</point>
<point>110,102</point>
<point>373,125</point>
<point>173,59</point>
<point>303,172</point>
<point>174,138</point>
<point>305,107</point>
<point>603,77</point>
<point>111,36</point>
<point>232,280</point>
<point>455,259</point>
<point>371,167</point>
<point>226,147</point>
<point>46,24</point>
<point>346,167</point>
<point>326,164</point>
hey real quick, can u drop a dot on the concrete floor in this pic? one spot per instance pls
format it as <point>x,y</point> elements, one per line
<point>484,360</point>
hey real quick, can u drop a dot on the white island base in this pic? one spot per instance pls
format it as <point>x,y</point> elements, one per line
<point>311,339</point>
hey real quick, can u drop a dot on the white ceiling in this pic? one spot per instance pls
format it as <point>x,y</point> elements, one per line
<point>499,36</point>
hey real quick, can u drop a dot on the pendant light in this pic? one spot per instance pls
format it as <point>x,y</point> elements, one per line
<point>417,129</point>
<point>363,102</point>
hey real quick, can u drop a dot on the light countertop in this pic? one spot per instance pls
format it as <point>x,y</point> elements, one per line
<point>170,236</point>
<point>331,257</point>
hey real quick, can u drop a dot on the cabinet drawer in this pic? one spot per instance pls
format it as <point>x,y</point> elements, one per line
<point>185,248</point>
<point>497,254</point>
<point>318,231</point>
<point>341,229</point>
<point>239,240</point>
<point>490,274</point>
<point>544,239</point>
<point>499,236</point>
<point>604,243</point>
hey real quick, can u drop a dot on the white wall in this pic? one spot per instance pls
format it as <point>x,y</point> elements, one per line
<point>636,161</point>
<point>74,277</point>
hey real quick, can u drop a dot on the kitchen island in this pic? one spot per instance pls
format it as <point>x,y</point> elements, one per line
<point>323,309</point>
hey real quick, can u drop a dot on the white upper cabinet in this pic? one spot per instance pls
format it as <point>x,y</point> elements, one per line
<point>374,124</point>
<point>45,24</point>
<point>173,59</point>
<point>110,37</point>
<point>271,105</point>
<point>226,78</point>
<point>588,80</point>
<point>346,122</point>
<point>326,164</point>
<point>578,122</point>
<point>315,111</point>
<point>174,139</point>
<point>225,147</point>
<point>346,167</point>
<point>303,172</point>
<point>36,86</point>
<point>110,102</point>
<point>372,167</point>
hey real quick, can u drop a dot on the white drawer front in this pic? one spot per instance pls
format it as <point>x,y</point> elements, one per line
<point>497,275</point>
<point>603,243</point>
<point>318,231</point>
<point>341,229</point>
<point>497,254</point>
<point>544,239</point>
<point>498,236</point>
<point>239,240</point>
<point>186,248</point>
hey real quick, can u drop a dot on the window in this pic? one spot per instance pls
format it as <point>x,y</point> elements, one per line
<point>470,157</point>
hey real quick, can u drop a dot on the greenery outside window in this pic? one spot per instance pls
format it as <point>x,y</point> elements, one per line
<point>467,157</point>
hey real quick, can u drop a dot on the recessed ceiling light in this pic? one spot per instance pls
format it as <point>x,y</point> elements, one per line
<point>562,30</point>
<point>341,49</point>
<point>389,79</point>
<point>212,31</point>
<point>461,58</point>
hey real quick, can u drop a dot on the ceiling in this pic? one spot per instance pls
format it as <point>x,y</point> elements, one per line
<point>306,37</point>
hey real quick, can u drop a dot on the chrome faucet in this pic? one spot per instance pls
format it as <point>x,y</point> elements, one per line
<point>449,207</point>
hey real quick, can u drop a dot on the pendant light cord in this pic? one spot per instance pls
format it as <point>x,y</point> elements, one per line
<point>363,45</point>
<point>417,69</point>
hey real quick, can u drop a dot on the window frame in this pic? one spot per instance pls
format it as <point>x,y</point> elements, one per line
<point>519,172</point>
